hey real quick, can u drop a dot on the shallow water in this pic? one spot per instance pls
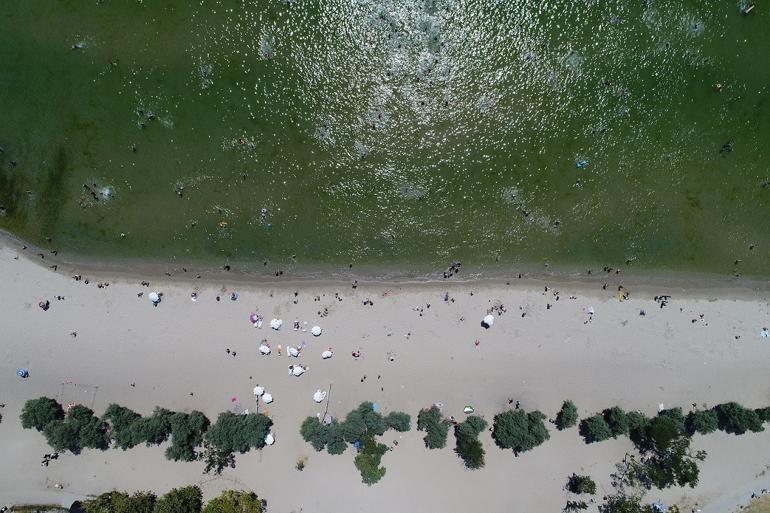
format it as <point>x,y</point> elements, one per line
<point>389,132</point>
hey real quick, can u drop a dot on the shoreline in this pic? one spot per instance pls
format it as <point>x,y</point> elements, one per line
<point>524,276</point>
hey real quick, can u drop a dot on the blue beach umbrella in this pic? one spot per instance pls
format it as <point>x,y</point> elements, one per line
<point>22,373</point>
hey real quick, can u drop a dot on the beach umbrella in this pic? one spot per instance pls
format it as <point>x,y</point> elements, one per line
<point>292,351</point>
<point>22,373</point>
<point>319,395</point>
<point>268,398</point>
<point>264,349</point>
<point>276,324</point>
<point>468,409</point>
<point>327,354</point>
<point>154,297</point>
<point>253,318</point>
<point>258,390</point>
<point>488,321</point>
<point>298,370</point>
<point>316,331</point>
<point>269,439</point>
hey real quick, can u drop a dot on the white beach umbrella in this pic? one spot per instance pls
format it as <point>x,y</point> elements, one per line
<point>298,370</point>
<point>269,439</point>
<point>316,331</point>
<point>327,354</point>
<point>258,390</point>
<point>276,324</point>
<point>268,398</point>
<point>488,321</point>
<point>154,297</point>
<point>319,395</point>
<point>264,349</point>
<point>292,351</point>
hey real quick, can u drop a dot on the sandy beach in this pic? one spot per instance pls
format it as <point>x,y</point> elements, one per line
<point>416,349</point>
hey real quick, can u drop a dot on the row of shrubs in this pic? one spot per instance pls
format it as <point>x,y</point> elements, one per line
<point>120,427</point>
<point>179,500</point>
<point>729,417</point>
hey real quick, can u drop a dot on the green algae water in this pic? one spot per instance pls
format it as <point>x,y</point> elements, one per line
<point>394,132</point>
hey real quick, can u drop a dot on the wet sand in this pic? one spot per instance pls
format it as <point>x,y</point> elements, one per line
<point>703,347</point>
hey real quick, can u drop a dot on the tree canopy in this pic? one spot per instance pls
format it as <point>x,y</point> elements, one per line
<point>37,413</point>
<point>519,430</point>
<point>567,416</point>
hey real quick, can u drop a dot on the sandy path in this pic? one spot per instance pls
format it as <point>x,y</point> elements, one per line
<point>542,358</point>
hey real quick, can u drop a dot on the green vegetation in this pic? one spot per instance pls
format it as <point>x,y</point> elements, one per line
<point>178,500</point>
<point>152,430</point>
<point>79,429</point>
<point>187,430</point>
<point>368,459</point>
<point>468,446</point>
<point>239,433</point>
<point>436,428</point>
<point>567,416</point>
<point>359,427</point>
<point>702,421</point>
<point>120,420</point>
<point>617,420</point>
<point>581,484</point>
<point>595,429</point>
<point>575,506</point>
<point>734,418</point>
<point>623,503</point>
<point>519,430</point>
<point>234,501</point>
<point>38,413</point>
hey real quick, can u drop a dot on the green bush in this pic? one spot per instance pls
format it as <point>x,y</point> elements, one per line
<point>314,432</point>
<point>234,501</point>
<point>215,459</point>
<point>676,415</point>
<point>120,502</point>
<point>595,429</point>
<point>180,500</point>
<point>617,420</point>
<point>239,433</point>
<point>567,416</point>
<point>702,421</point>
<point>468,446</point>
<point>637,426</point>
<point>335,438</point>
<point>37,413</point>
<point>187,430</point>
<point>436,429</point>
<point>519,430</point>
<point>120,420</point>
<point>90,429</point>
<point>152,430</point>
<point>398,421</point>
<point>62,436</point>
<point>581,484</point>
<point>763,414</point>
<point>734,418</point>
<point>368,459</point>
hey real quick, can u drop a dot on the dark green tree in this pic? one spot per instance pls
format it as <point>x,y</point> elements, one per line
<point>120,420</point>
<point>37,413</point>
<point>180,500</point>
<point>595,429</point>
<point>335,438</point>
<point>92,432</point>
<point>581,484</point>
<point>216,459</point>
<point>152,430</point>
<point>62,436</point>
<point>468,446</point>
<point>314,432</point>
<point>575,506</point>
<point>567,416</point>
<point>734,418</point>
<point>234,501</point>
<point>637,426</point>
<point>239,433</point>
<point>187,431</point>
<point>763,414</point>
<point>120,502</point>
<point>398,421</point>
<point>519,430</point>
<point>436,428</point>
<point>368,459</point>
<point>617,420</point>
<point>702,421</point>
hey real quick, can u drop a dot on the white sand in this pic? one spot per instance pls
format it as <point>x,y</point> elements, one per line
<point>541,359</point>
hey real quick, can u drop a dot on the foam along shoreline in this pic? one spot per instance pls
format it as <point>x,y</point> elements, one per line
<point>416,348</point>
